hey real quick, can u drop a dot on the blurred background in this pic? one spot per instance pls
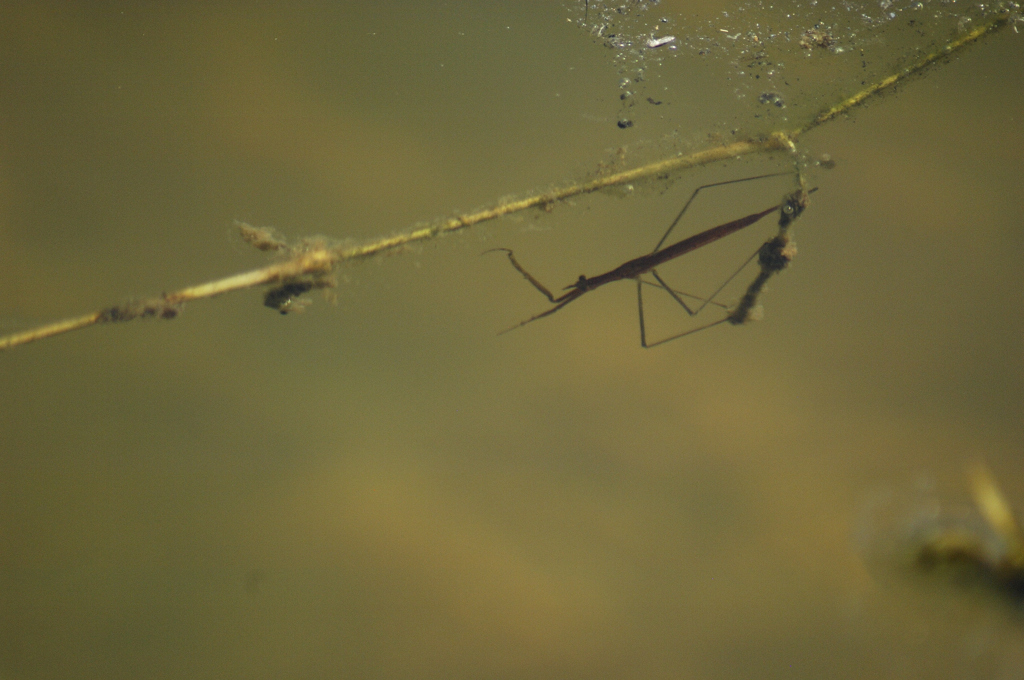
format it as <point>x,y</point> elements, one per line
<point>382,486</point>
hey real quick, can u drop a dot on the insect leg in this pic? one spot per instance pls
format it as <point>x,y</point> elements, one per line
<point>708,186</point>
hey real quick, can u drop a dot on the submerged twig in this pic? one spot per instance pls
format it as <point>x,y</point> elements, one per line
<point>314,265</point>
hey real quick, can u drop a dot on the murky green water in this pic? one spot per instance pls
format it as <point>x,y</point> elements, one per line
<point>383,487</point>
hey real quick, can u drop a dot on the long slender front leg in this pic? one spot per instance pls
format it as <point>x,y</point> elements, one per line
<point>574,291</point>
<point>527,275</point>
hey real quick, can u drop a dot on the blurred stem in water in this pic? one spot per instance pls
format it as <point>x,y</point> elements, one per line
<point>309,268</point>
<point>1003,559</point>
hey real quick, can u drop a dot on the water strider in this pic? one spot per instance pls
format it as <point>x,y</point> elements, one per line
<point>773,256</point>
